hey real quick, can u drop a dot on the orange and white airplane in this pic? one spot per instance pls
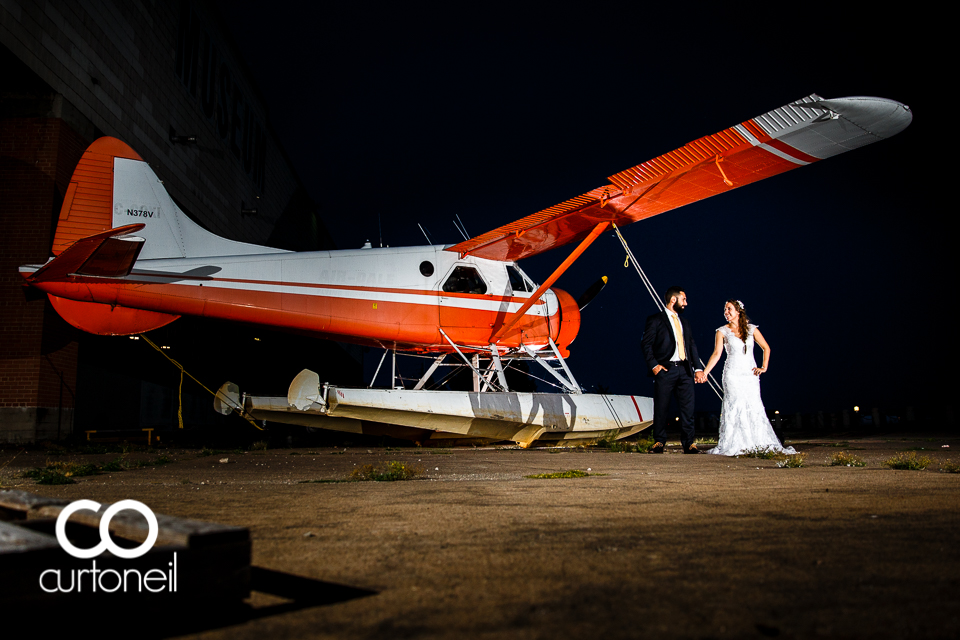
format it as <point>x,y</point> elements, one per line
<point>127,260</point>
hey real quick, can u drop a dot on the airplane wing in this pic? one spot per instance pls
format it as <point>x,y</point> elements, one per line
<point>794,135</point>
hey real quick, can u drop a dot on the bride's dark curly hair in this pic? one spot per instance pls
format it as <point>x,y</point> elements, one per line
<point>742,322</point>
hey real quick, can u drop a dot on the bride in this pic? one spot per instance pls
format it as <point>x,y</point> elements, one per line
<point>743,421</point>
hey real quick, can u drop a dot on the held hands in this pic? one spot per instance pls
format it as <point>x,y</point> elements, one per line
<point>699,377</point>
<point>758,370</point>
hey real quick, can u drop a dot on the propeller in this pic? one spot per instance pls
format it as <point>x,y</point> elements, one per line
<point>591,293</point>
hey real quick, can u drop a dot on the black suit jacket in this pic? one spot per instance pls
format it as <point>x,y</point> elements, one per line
<point>659,343</point>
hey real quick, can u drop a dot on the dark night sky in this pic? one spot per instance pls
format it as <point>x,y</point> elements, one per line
<point>414,116</point>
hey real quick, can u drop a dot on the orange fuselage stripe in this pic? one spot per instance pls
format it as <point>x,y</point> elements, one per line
<point>363,321</point>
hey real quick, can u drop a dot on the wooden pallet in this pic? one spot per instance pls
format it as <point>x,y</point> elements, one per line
<point>212,560</point>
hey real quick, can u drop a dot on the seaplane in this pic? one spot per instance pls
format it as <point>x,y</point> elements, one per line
<point>126,260</point>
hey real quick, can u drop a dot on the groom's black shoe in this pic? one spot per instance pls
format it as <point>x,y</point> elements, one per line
<point>658,447</point>
<point>692,449</point>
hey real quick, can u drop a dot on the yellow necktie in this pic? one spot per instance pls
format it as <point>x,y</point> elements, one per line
<point>680,350</point>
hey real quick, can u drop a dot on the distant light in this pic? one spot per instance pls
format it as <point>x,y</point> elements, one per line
<point>257,339</point>
<point>134,337</point>
<point>777,412</point>
<point>856,409</point>
<point>677,419</point>
<point>164,347</point>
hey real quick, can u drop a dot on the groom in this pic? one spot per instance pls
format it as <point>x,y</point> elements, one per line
<point>672,360</point>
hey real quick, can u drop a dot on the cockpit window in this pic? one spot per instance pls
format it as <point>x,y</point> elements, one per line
<point>465,280</point>
<point>517,281</point>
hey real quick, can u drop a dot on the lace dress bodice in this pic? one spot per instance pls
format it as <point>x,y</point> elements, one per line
<point>743,420</point>
<point>738,358</point>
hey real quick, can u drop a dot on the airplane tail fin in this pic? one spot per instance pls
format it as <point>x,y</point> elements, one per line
<point>112,187</point>
<point>113,193</point>
<point>88,205</point>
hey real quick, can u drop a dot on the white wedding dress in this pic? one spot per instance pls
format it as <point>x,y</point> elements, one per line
<point>743,420</point>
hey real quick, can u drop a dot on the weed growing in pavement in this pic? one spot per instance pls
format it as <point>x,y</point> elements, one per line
<point>644,446</point>
<point>950,467</point>
<point>63,472</point>
<point>81,470</point>
<point>706,441</point>
<point>114,466</point>
<point>259,445</point>
<point>909,462</point>
<point>392,471</point>
<point>60,472</point>
<point>762,453</point>
<point>572,473</point>
<point>791,461</point>
<point>844,459</point>
<point>617,446</point>
<point>624,446</point>
<point>49,476</point>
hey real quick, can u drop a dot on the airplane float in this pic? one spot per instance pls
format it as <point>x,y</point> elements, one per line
<point>127,260</point>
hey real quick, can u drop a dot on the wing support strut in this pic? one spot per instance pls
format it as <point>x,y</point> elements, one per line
<point>496,362</point>
<point>656,299</point>
<point>571,384</point>
<point>430,370</point>
<point>476,372</point>
<point>535,296</point>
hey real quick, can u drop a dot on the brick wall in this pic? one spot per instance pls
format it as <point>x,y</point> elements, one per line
<point>73,72</point>
<point>38,351</point>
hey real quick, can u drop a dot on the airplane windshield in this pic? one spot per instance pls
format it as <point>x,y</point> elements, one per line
<point>518,279</point>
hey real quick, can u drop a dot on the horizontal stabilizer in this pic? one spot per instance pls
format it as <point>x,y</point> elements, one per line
<point>109,253</point>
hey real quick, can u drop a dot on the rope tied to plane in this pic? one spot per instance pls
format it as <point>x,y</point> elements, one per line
<point>236,409</point>
<point>657,301</point>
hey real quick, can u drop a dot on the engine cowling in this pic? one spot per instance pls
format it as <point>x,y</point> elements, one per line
<point>569,325</point>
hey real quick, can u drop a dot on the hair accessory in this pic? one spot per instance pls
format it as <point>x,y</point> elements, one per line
<point>742,308</point>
